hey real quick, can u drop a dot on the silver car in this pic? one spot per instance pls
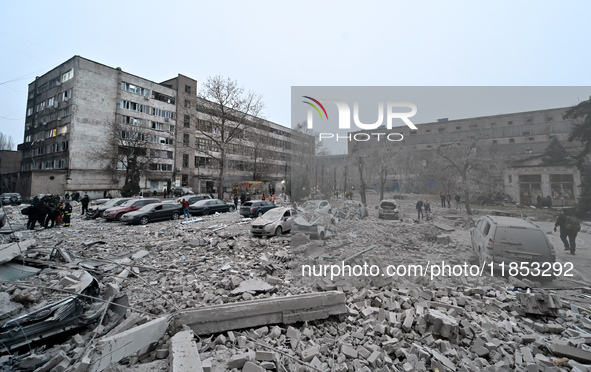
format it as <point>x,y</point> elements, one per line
<point>503,240</point>
<point>275,222</point>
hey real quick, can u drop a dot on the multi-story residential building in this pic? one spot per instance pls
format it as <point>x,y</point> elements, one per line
<point>82,114</point>
<point>519,139</point>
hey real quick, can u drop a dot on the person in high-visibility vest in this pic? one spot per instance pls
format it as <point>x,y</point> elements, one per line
<point>67,214</point>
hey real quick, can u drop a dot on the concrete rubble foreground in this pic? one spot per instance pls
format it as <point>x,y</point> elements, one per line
<point>207,296</point>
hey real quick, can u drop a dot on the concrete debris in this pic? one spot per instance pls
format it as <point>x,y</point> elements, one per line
<point>211,297</point>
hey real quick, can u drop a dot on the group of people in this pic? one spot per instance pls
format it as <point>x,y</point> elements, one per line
<point>423,209</point>
<point>51,210</point>
<point>447,198</point>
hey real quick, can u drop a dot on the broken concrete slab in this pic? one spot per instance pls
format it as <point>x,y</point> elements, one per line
<point>247,314</point>
<point>114,348</point>
<point>252,285</point>
<point>184,353</point>
<point>580,355</point>
<point>11,250</point>
<point>443,227</point>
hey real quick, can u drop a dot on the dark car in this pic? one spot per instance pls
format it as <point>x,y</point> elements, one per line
<point>196,198</point>
<point>153,212</point>
<point>209,206</point>
<point>96,211</point>
<point>9,198</point>
<point>115,213</point>
<point>180,191</point>
<point>256,208</point>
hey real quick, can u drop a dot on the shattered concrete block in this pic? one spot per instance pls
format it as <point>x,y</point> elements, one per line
<point>184,353</point>
<point>238,360</point>
<point>310,353</point>
<point>349,352</point>
<point>265,356</point>
<point>52,362</point>
<point>206,365</point>
<point>251,367</point>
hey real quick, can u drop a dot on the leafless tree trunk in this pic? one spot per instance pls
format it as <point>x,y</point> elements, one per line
<point>6,142</point>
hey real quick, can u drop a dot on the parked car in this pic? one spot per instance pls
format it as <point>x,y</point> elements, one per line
<point>388,210</point>
<point>507,239</point>
<point>209,206</point>
<point>274,222</point>
<point>317,206</point>
<point>115,213</point>
<point>196,198</point>
<point>96,211</point>
<point>256,208</point>
<point>153,212</point>
<point>13,198</point>
<point>180,191</point>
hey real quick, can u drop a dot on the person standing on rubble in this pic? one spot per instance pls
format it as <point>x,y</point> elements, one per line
<point>52,216</point>
<point>236,201</point>
<point>448,199</point>
<point>419,208</point>
<point>42,211</point>
<point>458,198</point>
<point>185,204</point>
<point>442,197</point>
<point>242,198</point>
<point>85,202</point>
<point>67,213</point>
<point>569,228</point>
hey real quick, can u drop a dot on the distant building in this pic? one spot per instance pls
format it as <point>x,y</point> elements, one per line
<point>10,164</point>
<point>520,137</point>
<point>68,113</point>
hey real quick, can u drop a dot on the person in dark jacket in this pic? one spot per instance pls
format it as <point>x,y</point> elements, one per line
<point>32,214</point>
<point>442,197</point>
<point>458,198</point>
<point>42,211</point>
<point>242,198</point>
<point>448,200</point>
<point>52,216</point>
<point>67,213</point>
<point>571,242</point>
<point>419,208</point>
<point>236,200</point>
<point>85,201</point>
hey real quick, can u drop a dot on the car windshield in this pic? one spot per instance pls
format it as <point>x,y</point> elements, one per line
<point>146,208</point>
<point>127,203</point>
<point>247,204</point>
<point>388,205</point>
<point>274,213</point>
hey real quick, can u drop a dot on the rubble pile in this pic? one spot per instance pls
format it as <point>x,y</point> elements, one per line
<point>205,295</point>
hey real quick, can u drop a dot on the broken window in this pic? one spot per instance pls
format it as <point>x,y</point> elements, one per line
<point>187,89</point>
<point>157,126</point>
<point>130,120</point>
<point>162,113</point>
<point>187,121</point>
<point>133,106</point>
<point>562,186</point>
<point>186,160</point>
<point>163,98</point>
<point>135,89</point>
<point>67,75</point>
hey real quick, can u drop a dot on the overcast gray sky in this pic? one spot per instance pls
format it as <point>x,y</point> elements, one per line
<point>269,46</point>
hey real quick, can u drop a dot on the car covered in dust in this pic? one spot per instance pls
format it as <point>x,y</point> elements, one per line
<point>317,206</point>
<point>507,240</point>
<point>275,222</point>
<point>388,210</point>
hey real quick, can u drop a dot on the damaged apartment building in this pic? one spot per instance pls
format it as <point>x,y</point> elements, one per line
<point>518,139</point>
<point>80,112</point>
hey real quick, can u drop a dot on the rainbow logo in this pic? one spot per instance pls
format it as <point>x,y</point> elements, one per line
<point>313,105</point>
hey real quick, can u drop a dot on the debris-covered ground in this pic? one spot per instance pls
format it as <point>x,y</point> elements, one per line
<point>206,295</point>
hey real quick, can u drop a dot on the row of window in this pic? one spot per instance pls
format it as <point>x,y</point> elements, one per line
<point>48,164</point>
<point>51,102</point>
<point>146,93</point>
<point>160,167</point>
<point>40,136</point>
<point>134,106</point>
<point>135,136</point>
<point>474,126</point>
<point>54,82</point>
<point>163,154</point>
<point>148,123</point>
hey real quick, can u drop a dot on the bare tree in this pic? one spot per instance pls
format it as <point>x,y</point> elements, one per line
<point>6,142</point>
<point>320,148</point>
<point>224,110</point>
<point>125,150</point>
<point>476,165</point>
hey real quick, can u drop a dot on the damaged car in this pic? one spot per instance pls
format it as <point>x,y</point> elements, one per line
<point>274,222</point>
<point>388,210</point>
<point>318,206</point>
